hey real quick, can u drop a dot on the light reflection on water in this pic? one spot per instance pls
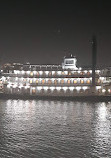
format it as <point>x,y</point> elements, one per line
<point>54,129</point>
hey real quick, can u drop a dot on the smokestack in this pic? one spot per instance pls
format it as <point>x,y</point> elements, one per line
<point>94,54</point>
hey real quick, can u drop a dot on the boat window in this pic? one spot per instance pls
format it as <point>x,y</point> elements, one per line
<point>88,81</point>
<point>62,81</point>
<point>75,81</point>
<point>82,81</point>
<point>43,81</point>
<point>68,81</point>
<point>30,81</point>
<point>37,81</point>
<point>31,74</point>
<point>55,81</point>
<point>49,81</point>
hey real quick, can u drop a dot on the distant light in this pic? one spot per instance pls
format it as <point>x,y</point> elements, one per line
<point>58,88</point>
<point>80,68</point>
<point>23,71</point>
<point>40,72</point>
<point>45,88</point>
<point>39,88</point>
<point>98,87</point>
<point>103,90</point>
<point>71,88</point>
<point>52,88</point>
<point>64,88</point>
<point>85,71</point>
<point>28,72</point>
<point>34,72</point>
<point>84,87</point>
<point>78,88</point>
<point>59,72</point>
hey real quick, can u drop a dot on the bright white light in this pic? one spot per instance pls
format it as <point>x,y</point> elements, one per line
<point>15,71</point>
<point>71,88</point>
<point>14,86</point>
<point>53,72</point>
<point>27,87</point>
<point>34,79</point>
<point>58,88</point>
<point>85,71</point>
<point>98,71</point>
<point>103,90</point>
<point>66,72</point>
<point>78,88</point>
<point>64,88</point>
<point>3,78</point>
<point>18,72</point>
<point>34,72</point>
<point>39,88</point>
<point>23,71</point>
<point>102,78</point>
<point>80,68</point>
<point>45,88</point>
<point>46,72</point>
<point>59,72</point>
<point>40,72</point>
<point>22,78</point>
<point>9,85</point>
<point>98,87</point>
<point>109,90</point>
<point>52,88</point>
<point>84,88</point>
<point>90,71</point>
<point>79,71</point>
<point>16,78</point>
<point>28,72</point>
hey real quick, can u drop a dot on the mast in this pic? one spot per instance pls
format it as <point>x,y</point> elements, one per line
<point>94,54</point>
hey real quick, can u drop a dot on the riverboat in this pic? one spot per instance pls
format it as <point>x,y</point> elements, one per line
<point>54,80</point>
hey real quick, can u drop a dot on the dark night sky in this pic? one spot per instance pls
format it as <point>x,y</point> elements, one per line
<point>43,32</point>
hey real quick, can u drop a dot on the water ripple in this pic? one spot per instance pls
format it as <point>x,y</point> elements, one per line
<point>54,129</point>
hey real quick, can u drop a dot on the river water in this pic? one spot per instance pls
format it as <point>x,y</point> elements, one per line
<point>54,129</point>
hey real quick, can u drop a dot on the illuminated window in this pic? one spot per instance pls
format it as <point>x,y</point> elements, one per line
<point>62,81</point>
<point>62,73</point>
<point>88,81</point>
<point>31,74</point>
<point>55,74</point>
<point>75,81</point>
<point>82,81</point>
<point>82,73</point>
<point>37,73</point>
<point>33,91</point>
<point>99,81</point>
<point>50,73</point>
<point>69,73</point>
<point>37,81</point>
<point>49,81</point>
<point>24,80</point>
<point>68,81</point>
<point>43,81</point>
<point>55,81</point>
<point>30,81</point>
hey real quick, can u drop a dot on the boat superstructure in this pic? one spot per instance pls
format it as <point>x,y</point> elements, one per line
<point>53,80</point>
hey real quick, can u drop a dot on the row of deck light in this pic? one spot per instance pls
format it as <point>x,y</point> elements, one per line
<point>58,72</point>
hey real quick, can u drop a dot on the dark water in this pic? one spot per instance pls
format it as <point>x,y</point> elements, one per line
<point>54,129</point>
